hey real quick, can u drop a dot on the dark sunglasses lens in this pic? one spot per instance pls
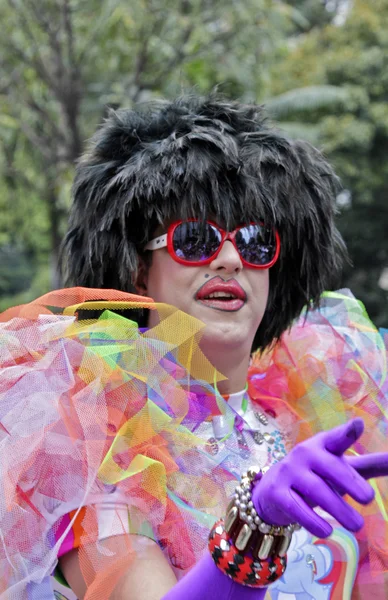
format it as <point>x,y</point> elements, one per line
<point>194,241</point>
<point>256,244</point>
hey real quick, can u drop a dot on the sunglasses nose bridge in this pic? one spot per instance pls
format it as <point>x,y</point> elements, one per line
<point>229,236</point>
<point>228,257</point>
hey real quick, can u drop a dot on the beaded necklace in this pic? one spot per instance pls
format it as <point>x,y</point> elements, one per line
<point>235,420</point>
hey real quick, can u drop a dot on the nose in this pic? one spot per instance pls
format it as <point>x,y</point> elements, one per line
<point>228,260</point>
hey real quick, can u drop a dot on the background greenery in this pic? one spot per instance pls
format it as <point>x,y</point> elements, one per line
<point>321,67</point>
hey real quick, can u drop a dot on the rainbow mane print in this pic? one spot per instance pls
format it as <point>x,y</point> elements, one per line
<point>344,550</point>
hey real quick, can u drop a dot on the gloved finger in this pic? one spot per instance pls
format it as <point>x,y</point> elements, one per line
<point>339,439</point>
<point>319,493</point>
<point>370,465</point>
<point>299,512</point>
<point>341,476</point>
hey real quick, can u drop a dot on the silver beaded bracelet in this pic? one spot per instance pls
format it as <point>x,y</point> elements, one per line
<point>246,527</point>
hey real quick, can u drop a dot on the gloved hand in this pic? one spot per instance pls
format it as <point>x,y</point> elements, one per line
<point>370,465</point>
<point>316,474</point>
<point>205,581</point>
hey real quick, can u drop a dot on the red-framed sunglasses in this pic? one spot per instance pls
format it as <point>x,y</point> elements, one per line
<point>195,243</point>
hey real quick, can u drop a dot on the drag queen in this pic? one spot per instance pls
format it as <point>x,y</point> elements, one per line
<point>198,418</point>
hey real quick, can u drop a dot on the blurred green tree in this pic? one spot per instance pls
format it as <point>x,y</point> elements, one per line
<point>64,62</point>
<point>350,53</point>
<point>319,69</point>
<point>15,270</point>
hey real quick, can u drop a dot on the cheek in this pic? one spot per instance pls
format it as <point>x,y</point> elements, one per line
<point>266,286</point>
<point>165,279</point>
<point>260,288</point>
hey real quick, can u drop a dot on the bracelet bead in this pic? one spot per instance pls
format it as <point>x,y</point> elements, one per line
<point>243,546</point>
<point>241,567</point>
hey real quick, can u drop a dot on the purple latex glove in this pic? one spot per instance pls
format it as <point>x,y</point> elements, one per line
<point>315,474</point>
<point>370,465</point>
<point>205,581</point>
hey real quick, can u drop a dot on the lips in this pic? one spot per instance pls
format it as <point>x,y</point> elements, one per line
<point>222,295</point>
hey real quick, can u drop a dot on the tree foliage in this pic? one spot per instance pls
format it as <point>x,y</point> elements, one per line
<point>352,55</point>
<point>321,71</point>
<point>62,69</point>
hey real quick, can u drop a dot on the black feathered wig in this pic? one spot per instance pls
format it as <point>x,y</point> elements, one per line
<point>204,156</point>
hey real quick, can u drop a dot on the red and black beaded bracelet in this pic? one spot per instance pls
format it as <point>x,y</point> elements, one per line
<point>243,546</point>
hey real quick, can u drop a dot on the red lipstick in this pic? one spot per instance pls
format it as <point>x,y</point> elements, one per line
<point>222,295</point>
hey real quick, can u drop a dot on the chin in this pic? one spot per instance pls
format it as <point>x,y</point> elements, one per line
<point>226,334</point>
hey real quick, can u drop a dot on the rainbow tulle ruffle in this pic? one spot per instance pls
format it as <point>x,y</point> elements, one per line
<point>90,405</point>
<point>332,366</point>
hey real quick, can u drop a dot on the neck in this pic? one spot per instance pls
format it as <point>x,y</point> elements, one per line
<point>232,363</point>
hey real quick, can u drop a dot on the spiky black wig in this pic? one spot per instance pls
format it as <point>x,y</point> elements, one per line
<point>204,156</point>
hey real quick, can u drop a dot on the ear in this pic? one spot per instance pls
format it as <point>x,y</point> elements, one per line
<point>141,282</point>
